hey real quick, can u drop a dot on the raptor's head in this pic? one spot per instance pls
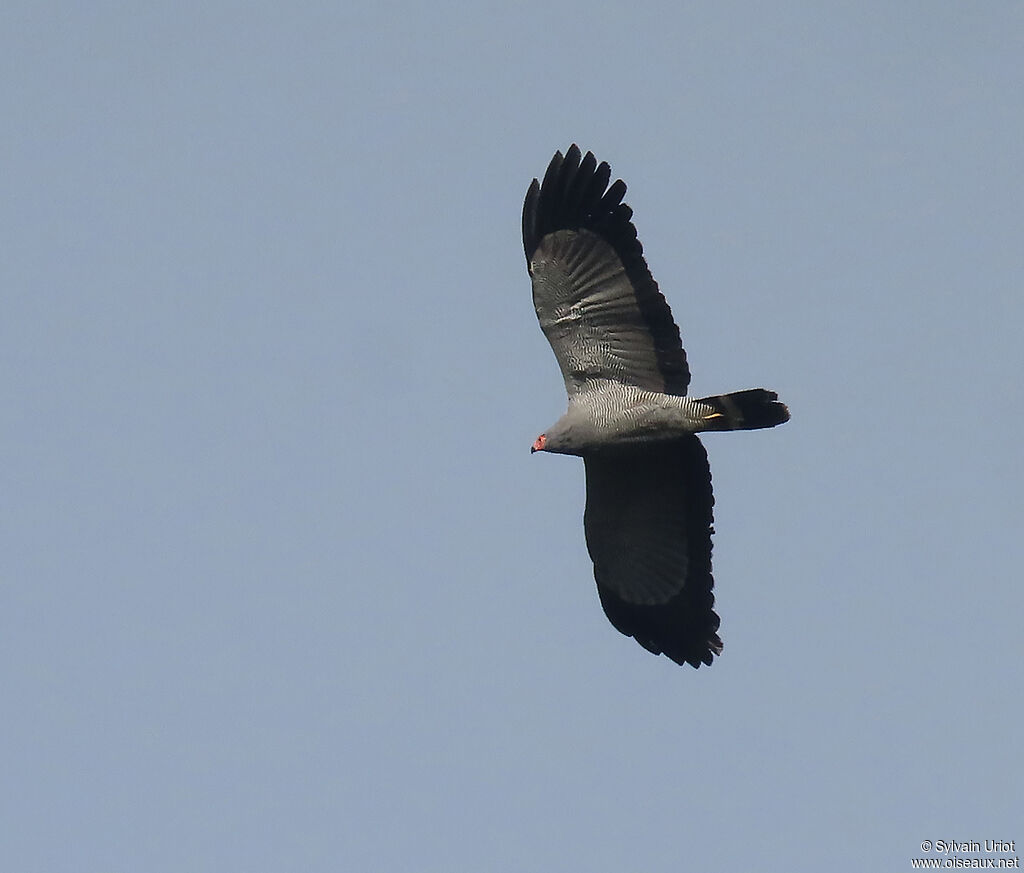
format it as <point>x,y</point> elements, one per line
<point>562,438</point>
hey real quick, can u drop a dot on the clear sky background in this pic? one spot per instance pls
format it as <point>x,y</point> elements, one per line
<point>282,586</point>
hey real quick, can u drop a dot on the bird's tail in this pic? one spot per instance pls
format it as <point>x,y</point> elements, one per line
<point>743,410</point>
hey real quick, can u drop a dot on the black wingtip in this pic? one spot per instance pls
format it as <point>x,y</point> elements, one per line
<point>685,632</point>
<point>530,216</point>
<point>575,194</point>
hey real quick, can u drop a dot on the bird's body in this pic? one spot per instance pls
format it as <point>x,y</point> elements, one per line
<point>613,415</point>
<point>648,515</point>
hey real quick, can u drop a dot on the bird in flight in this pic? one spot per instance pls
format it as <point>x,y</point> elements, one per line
<point>648,516</point>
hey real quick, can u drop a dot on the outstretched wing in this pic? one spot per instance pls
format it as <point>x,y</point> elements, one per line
<point>648,525</point>
<point>597,302</point>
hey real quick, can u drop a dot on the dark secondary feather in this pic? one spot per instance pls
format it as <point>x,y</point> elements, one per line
<point>575,195</point>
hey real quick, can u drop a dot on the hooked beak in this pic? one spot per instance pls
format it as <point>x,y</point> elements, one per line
<point>539,443</point>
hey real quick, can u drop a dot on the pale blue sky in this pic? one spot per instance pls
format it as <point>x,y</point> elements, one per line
<point>282,586</point>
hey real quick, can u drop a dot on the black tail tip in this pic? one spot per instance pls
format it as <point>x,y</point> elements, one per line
<point>757,408</point>
<point>745,410</point>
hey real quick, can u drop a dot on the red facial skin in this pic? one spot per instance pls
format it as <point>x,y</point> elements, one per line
<point>538,444</point>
